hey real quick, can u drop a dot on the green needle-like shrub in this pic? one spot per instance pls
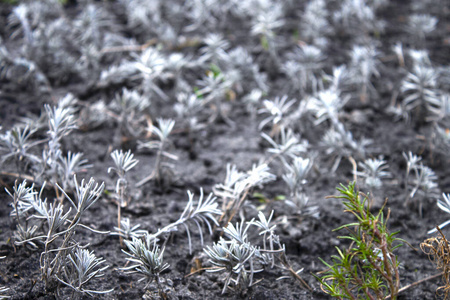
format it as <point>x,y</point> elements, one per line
<point>368,268</point>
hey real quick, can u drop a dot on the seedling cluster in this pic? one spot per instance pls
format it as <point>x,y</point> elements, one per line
<point>259,108</point>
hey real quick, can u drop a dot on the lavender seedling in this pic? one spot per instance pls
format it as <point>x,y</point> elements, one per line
<point>69,166</point>
<point>123,163</point>
<point>232,257</point>
<point>188,107</point>
<point>288,147</point>
<point>302,68</point>
<point>314,25</point>
<point>295,178</point>
<point>373,171</point>
<point>357,18</point>
<point>234,191</point>
<point>252,101</point>
<point>80,268</point>
<point>162,170</point>
<point>90,25</point>
<point>151,64</point>
<point>18,144</point>
<point>215,49</point>
<point>240,61</point>
<point>445,206</point>
<point>22,202</point>
<point>422,186</point>
<point>364,66</point>
<point>265,25</point>
<point>129,108</point>
<point>277,109</point>
<point>175,64</point>
<point>53,258</point>
<point>61,122</point>
<point>240,259</point>
<point>327,105</point>
<point>442,138</point>
<point>146,258</point>
<point>419,88</point>
<point>127,232</point>
<point>268,231</point>
<point>340,143</point>
<point>201,215</point>
<point>419,26</point>
<point>2,288</point>
<point>214,88</point>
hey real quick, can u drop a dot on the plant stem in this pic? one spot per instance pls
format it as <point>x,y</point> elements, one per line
<point>416,283</point>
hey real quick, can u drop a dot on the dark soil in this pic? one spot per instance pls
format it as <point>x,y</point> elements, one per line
<point>306,238</point>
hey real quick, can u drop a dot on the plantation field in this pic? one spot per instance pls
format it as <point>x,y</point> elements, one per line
<point>200,114</point>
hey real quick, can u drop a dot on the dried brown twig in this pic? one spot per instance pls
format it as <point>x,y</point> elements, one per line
<point>438,250</point>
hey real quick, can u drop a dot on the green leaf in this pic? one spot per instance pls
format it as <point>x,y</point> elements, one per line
<point>215,70</point>
<point>264,42</point>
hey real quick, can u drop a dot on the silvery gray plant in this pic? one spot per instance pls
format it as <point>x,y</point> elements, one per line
<point>295,177</point>
<point>129,109</point>
<point>151,65</point>
<point>327,105</point>
<point>265,24</point>
<point>420,181</point>
<point>80,268</point>
<point>70,165</point>
<point>61,121</point>
<point>302,68</point>
<point>240,259</point>
<point>215,49</point>
<point>357,17</point>
<point>90,25</point>
<point>420,26</point>
<point>123,162</point>
<point>420,92</point>
<point>444,205</point>
<point>142,15</point>
<point>146,258</point>
<point>240,60</point>
<point>3,289</point>
<point>363,67</point>
<point>236,187</point>
<point>16,144</point>
<point>339,143</point>
<point>52,226</point>
<point>288,146</point>
<point>46,38</point>
<point>163,170</point>
<point>314,24</point>
<point>189,107</point>
<point>373,171</point>
<point>23,203</point>
<point>145,254</point>
<point>214,88</point>
<point>128,232</point>
<point>277,110</point>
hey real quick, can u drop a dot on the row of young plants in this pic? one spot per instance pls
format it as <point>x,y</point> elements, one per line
<point>210,75</point>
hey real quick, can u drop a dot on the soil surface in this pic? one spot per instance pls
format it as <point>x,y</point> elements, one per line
<point>202,164</point>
